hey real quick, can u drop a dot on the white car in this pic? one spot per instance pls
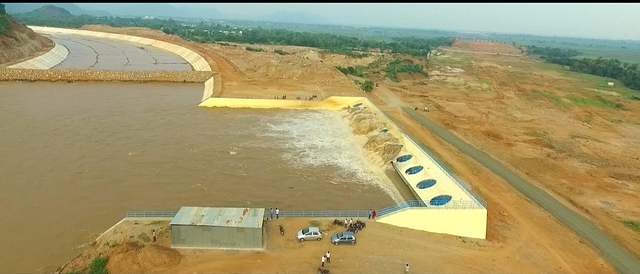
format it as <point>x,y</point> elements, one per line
<point>309,233</point>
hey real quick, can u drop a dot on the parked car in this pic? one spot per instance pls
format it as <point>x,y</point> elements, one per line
<point>346,237</point>
<point>309,233</point>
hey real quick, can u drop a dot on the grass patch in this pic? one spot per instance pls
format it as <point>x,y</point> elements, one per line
<point>254,49</point>
<point>281,52</point>
<point>589,81</point>
<point>99,266</point>
<point>348,52</point>
<point>456,59</point>
<point>598,102</point>
<point>551,97</point>
<point>405,66</point>
<point>635,226</point>
<point>367,86</point>
<point>156,223</point>
<point>358,71</point>
<point>144,237</point>
<point>225,44</point>
<point>112,245</point>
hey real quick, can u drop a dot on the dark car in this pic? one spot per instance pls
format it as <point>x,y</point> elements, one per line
<point>344,238</point>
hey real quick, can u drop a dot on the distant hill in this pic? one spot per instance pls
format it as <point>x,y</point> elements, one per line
<point>50,11</point>
<point>193,11</point>
<point>15,8</point>
<point>157,10</point>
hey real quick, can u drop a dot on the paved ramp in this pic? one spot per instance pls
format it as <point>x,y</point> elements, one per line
<point>617,256</point>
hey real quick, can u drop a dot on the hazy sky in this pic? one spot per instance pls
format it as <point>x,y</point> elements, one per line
<point>609,21</point>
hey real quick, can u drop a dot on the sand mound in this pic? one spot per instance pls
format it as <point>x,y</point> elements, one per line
<point>133,257</point>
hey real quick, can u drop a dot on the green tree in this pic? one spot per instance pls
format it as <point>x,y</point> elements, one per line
<point>367,86</point>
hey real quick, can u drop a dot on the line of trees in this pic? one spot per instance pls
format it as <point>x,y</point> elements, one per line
<point>211,33</point>
<point>627,73</point>
<point>4,21</point>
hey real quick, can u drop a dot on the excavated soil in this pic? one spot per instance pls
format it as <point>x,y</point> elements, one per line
<point>21,43</point>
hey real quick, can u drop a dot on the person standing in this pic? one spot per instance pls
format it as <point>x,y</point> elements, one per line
<point>328,255</point>
<point>351,222</point>
<point>346,222</point>
<point>370,213</point>
<point>406,269</point>
<point>324,259</point>
<point>374,215</point>
<point>154,235</point>
<point>271,213</point>
<point>277,213</point>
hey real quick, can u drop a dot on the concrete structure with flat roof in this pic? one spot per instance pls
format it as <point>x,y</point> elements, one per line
<point>217,228</point>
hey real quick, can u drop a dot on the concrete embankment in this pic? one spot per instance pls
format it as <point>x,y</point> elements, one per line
<point>197,62</point>
<point>108,76</point>
<point>45,61</point>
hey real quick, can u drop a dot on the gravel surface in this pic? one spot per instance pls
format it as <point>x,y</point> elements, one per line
<point>104,76</point>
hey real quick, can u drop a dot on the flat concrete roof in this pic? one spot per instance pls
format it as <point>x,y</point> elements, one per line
<point>219,216</point>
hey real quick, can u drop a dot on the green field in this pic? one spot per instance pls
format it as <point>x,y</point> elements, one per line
<point>625,51</point>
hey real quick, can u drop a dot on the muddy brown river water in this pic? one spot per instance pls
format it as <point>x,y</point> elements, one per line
<point>74,157</point>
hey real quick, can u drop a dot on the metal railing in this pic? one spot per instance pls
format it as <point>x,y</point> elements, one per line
<point>321,214</point>
<point>267,214</point>
<point>151,214</point>
<point>423,205</point>
<point>465,187</point>
<point>328,213</point>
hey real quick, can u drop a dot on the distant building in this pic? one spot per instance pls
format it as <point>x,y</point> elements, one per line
<point>217,228</point>
<point>611,84</point>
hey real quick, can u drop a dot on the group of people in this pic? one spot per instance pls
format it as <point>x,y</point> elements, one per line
<point>372,214</point>
<point>326,258</point>
<point>284,97</point>
<point>275,212</point>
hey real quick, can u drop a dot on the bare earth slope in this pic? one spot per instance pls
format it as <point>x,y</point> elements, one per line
<point>20,42</point>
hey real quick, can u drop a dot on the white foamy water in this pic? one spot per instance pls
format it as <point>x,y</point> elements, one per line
<point>324,139</point>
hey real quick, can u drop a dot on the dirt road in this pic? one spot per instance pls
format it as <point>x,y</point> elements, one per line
<point>622,260</point>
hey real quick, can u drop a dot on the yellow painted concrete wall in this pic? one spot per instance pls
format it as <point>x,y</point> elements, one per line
<point>332,103</point>
<point>197,62</point>
<point>45,61</point>
<point>471,223</point>
<point>446,184</point>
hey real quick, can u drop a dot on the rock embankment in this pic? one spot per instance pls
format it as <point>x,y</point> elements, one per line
<point>104,76</point>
